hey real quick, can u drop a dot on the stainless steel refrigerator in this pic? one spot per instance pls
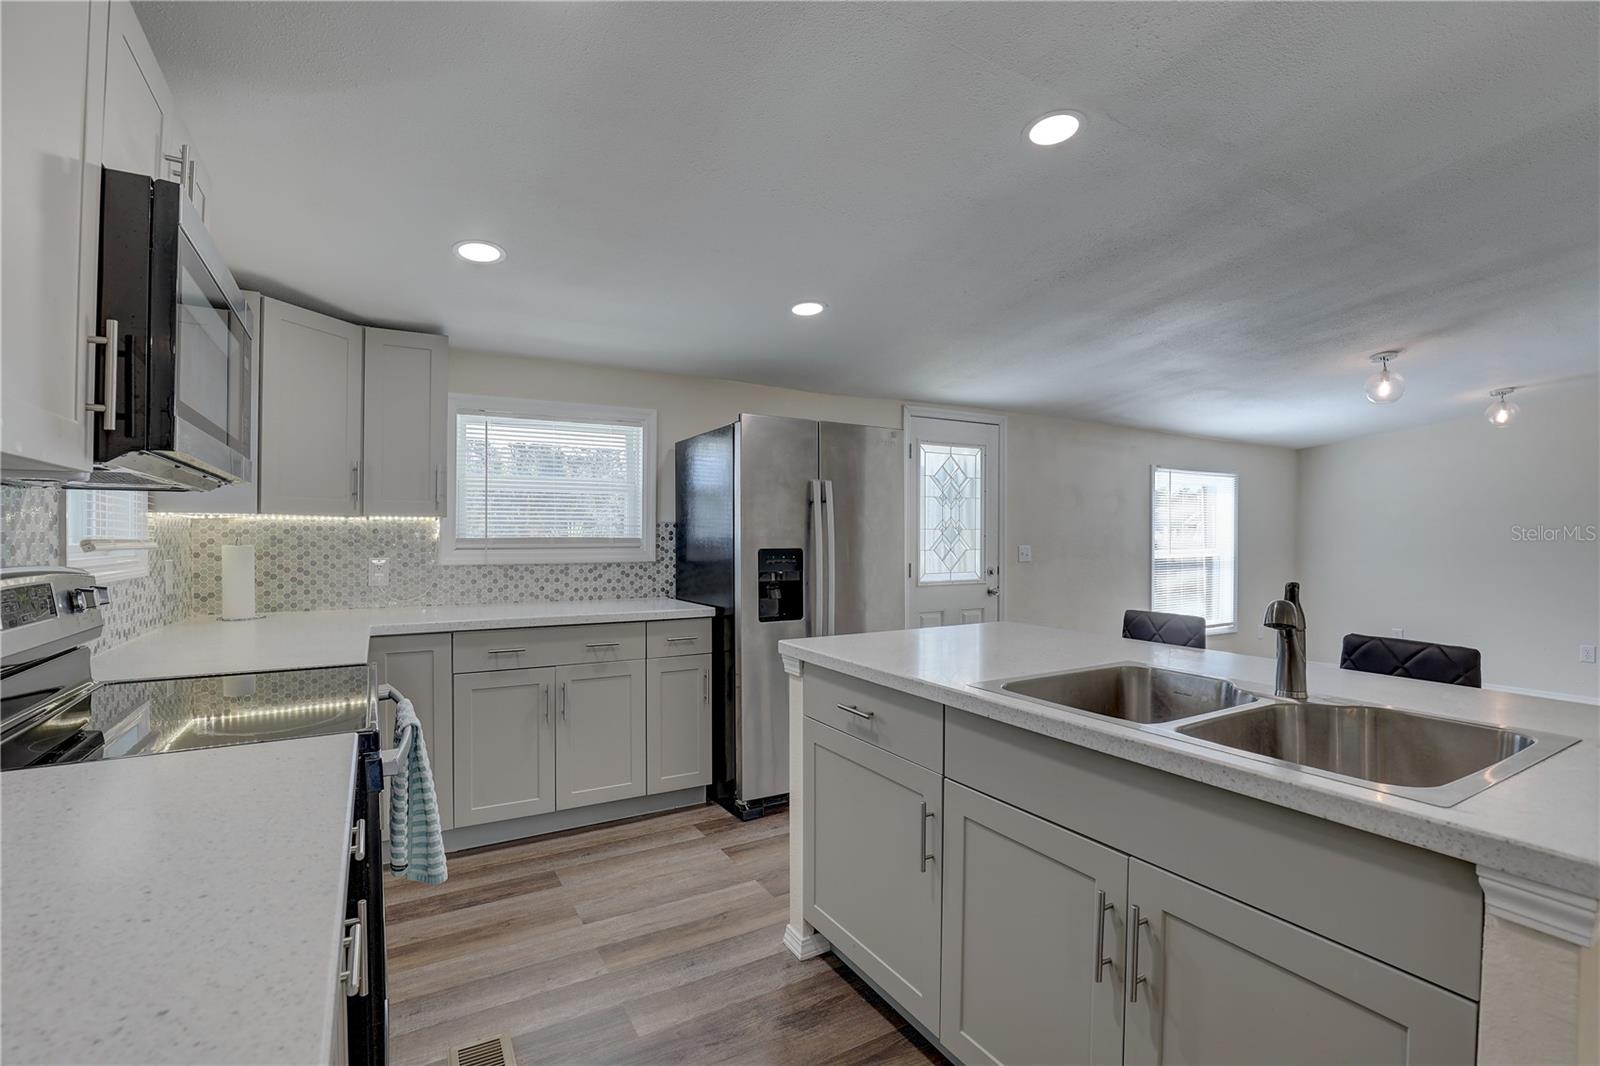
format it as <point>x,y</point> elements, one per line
<point>790,528</point>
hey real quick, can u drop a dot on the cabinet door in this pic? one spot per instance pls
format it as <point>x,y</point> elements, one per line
<point>52,95</point>
<point>310,412</point>
<point>678,723</point>
<point>599,733</point>
<point>1033,956</point>
<point>1218,981</point>
<point>139,113</point>
<point>404,416</point>
<point>504,745</point>
<point>872,827</point>
<point>419,667</point>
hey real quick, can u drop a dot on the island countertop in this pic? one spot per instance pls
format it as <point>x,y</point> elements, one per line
<point>1542,824</point>
<point>302,640</point>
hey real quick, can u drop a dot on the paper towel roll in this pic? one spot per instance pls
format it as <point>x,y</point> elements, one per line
<point>238,581</point>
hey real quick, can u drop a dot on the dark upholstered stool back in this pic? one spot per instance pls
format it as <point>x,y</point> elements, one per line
<point>1185,629</point>
<point>1449,664</point>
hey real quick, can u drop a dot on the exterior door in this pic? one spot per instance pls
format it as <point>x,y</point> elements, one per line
<point>1218,981</point>
<point>600,733</point>
<point>678,720</point>
<point>864,468</point>
<point>872,886</point>
<point>1033,951</point>
<point>505,762</point>
<point>953,521</point>
<point>310,412</point>
<point>404,422</point>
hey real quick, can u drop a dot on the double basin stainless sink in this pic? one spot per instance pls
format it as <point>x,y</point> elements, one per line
<point>1406,753</point>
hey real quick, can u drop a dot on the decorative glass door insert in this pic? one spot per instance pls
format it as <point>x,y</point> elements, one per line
<point>950,523</point>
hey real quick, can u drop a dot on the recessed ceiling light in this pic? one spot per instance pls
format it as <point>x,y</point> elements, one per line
<point>480,252</point>
<point>807,308</point>
<point>1054,128</point>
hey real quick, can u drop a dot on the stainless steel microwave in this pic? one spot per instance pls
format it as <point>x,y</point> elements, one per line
<point>172,392</point>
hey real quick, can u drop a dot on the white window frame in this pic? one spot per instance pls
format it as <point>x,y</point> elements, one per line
<point>452,554</point>
<point>1219,628</point>
<point>107,562</point>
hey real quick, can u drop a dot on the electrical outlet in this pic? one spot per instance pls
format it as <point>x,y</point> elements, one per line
<point>377,572</point>
<point>1024,553</point>
<point>1397,632</point>
<point>1586,653</point>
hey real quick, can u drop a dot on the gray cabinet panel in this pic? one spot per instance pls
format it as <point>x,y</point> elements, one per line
<point>600,733</point>
<point>404,422</point>
<point>509,649</point>
<point>310,412</point>
<point>678,723</point>
<point>419,667</point>
<point>1030,910</point>
<point>873,882</point>
<point>504,745</point>
<point>911,727</point>
<point>1228,983</point>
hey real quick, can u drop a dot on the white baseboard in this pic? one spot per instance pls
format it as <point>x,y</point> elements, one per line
<point>805,947</point>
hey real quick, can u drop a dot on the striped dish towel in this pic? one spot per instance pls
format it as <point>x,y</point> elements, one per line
<point>416,843</point>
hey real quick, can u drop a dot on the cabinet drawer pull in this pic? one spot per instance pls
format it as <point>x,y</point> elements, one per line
<point>1101,959</point>
<point>605,644</point>
<point>358,840</point>
<point>857,711</point>
<point>505,651</point>
<point>922,842</point>
<point>546,701</point>
<point>352,975</point>
<point>679,640</point>
<point>111,338</point>
<point>1135,978</point>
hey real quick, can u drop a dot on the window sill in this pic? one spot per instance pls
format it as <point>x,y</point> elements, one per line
<point>1221,631</point>
<point>453,556</point>
<point>111,572</point>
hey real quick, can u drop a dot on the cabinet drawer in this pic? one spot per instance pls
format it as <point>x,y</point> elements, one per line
<point>909,726</point>
<point>513,649</point>
<point>678,636</point>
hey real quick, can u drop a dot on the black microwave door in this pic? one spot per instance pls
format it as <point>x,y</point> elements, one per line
<point>165,265</point>
<point>125,287</point>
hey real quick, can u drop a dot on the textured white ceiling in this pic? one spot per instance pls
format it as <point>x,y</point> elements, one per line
<point>1262,195</point>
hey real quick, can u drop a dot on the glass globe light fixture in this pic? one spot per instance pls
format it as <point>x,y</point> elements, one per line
<point>1501,411</point>
<point>1385,386</point>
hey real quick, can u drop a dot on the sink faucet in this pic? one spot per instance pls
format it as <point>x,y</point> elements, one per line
<point>1289,620</point>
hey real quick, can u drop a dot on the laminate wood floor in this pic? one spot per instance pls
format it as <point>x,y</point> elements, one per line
<point>652,941</point>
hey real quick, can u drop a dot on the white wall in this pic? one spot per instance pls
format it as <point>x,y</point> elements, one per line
<point>1078,492</point>
<point>1414,529</point>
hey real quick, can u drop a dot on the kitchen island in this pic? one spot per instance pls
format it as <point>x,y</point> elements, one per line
<point>1462,931</point>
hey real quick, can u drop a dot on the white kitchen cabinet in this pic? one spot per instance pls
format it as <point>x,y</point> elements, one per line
<point>1213,980</point>
<point>404,419</point>
<point>600,733</point>
<point>185,166</point>
<point>418,666</point>
<point>678,723</point>
<point>504,745</point>
<point>1033,945</point>
<point>140,116</point>
<point>311,423</point>
<point>873,882</point>
<point>53,98</point>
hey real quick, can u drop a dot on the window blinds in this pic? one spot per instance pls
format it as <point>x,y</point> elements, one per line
<point>108,532</point>
<point>534,482</point>
<point>1194,545</point>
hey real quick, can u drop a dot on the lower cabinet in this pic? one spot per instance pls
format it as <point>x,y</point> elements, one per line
<point>1033,938</point>
<point>419,667</point>
<point>1213,980</point>
<point>678,723</point>
<point>600,733</point>
<point>505,745</point>
<point>873,883</point>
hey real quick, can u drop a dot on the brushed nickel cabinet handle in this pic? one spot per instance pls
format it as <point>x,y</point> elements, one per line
<point>108,410</point>
<point>605,644</point>
<point>922,843</point>
<point>1101,959</point>
<point>563,701</point>
<point>857,711</point>
<point>1135,978</point>
<point>355,482</point>
<point>679,640</point>
<point>358,840</point>
<point>504,651</point>
<point>546,701</point>
<point>351,975</point>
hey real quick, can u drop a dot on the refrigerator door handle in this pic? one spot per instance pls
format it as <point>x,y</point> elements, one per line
<point>833,570</point>
<point>814,521</point>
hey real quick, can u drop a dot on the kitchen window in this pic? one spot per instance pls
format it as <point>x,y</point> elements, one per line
<point>544,482</point>
<point>107,532</point>
<point>1194,545</point>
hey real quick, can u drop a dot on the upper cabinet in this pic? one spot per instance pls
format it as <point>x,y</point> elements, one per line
<point>143,131</point>
<point>352,418</point>
<point>403,412</point>
<point>53,90</point>
<point>311,381</point>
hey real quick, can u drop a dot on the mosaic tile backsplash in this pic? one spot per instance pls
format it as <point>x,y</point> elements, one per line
<point>307,564</point>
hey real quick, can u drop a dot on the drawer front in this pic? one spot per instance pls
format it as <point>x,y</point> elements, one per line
<point>516,649</point>
<point>909,726</point>
<point>678,636</point>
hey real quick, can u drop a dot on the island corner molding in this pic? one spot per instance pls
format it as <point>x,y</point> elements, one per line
<point>1569,916</point>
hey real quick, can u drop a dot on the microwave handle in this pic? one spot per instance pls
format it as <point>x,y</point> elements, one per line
<point>110,340</point>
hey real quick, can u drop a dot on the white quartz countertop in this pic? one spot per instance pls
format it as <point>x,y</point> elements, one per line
<point>1542,824</point>
<point>296,640</point>
<point>185,907</point>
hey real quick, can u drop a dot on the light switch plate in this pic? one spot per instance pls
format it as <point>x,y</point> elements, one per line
<point>1024,553</point>
<point>1586,653</point>
<point>1397,632</point>
<point>377,572</point>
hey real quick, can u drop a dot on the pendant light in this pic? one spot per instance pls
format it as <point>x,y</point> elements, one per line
<point>1501,411</point>
<point>1385,386</point>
